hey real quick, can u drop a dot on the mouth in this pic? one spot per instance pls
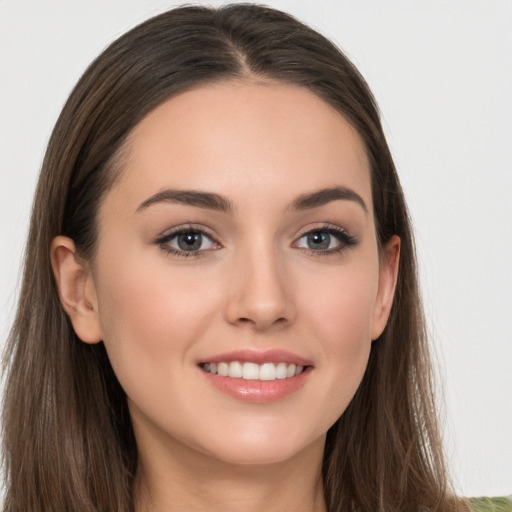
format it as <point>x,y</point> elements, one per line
<point>254,371</point>
<point>257,376</point>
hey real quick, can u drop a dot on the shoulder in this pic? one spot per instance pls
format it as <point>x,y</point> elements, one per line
<point>491,504</point>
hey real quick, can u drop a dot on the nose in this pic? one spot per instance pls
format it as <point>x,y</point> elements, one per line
<point>261,292</point>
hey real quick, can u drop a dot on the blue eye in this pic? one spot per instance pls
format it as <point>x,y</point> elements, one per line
<point>186,242</point>
<point>189,241</point>
<point>327,240</point>
<point>319,240</point>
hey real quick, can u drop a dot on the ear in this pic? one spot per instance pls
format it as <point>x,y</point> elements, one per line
<point>388,272</point>
<point>76,288</point>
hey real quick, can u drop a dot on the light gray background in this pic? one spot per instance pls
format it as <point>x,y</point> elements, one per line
<point>442,74</point>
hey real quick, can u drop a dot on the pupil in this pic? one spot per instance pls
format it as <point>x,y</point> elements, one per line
<point>189,241</point>
<point>319,240</point>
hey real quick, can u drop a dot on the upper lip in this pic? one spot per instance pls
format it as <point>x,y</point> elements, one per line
<point>258,357</point>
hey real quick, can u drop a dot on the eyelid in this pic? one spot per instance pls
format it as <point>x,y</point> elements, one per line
<point>346,239</point>
<point>163,240</point>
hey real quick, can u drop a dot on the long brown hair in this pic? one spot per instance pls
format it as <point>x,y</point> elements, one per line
<point>68,440</point>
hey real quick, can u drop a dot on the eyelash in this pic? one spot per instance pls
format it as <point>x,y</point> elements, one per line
<point>346,241</point>
<point>163,242</point>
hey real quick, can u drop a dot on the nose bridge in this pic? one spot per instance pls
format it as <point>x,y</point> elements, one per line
<point>260,294</point>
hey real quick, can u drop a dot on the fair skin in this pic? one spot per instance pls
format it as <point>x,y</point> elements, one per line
<point>272,274</point>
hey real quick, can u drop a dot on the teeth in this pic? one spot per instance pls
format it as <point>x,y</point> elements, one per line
<point>281,371</point>
<point>267,371</point>
<point>222,369</point>
<point>235,370</point>
<point>253,371</point>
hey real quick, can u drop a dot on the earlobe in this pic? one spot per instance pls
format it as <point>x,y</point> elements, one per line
<point>76,288</point>
<point>388,274</point>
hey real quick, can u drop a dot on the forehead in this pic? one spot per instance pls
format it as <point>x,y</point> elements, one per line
<point>241,136</point>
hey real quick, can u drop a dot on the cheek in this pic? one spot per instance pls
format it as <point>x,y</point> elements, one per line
<point>342,308</point>
<point>150,318</point>
<point>342,319</point>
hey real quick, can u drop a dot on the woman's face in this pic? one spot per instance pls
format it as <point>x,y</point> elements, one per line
<point>240,239</point>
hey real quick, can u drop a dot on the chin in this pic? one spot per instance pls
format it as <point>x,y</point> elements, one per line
<point>256,449</point>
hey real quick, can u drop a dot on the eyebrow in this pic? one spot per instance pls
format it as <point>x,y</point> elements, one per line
<point>327,195</point>
<point>217,202</point>
<point>196,198</point>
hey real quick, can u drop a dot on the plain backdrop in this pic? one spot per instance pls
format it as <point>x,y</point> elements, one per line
<point>442,74</point>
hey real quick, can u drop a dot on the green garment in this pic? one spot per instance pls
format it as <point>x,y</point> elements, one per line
<point>491,504</point>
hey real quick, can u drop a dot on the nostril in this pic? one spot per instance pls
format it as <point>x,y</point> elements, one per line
<point>261,323</point>
<point>260,307</point>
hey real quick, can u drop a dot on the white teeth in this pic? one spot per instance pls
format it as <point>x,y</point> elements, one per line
<point>253,371</point>
<point>222,369</point>
<point>267,371</point>
<point>281,371</point>
<point>235,370</point>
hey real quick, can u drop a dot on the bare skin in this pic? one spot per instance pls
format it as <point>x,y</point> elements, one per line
<point>193,486</point>
<point>240,229</point>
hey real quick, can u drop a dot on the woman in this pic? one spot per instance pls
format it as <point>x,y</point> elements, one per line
<point>220,307</point>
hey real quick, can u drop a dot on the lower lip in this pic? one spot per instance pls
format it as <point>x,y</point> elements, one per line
<point>258,391</point>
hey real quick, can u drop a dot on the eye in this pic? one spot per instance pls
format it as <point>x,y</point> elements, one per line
<point>187,242</point>
<point>325,240</point>
<point>319,240</point>
<point>191,242</point>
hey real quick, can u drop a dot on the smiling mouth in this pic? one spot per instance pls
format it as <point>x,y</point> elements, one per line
<point>253,371</point>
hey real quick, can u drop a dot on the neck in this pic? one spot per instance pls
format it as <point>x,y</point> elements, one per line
<point>193,481</point>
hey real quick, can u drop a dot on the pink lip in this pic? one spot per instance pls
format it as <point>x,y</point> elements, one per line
<point>258,357</point>
<point>257,391</point>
